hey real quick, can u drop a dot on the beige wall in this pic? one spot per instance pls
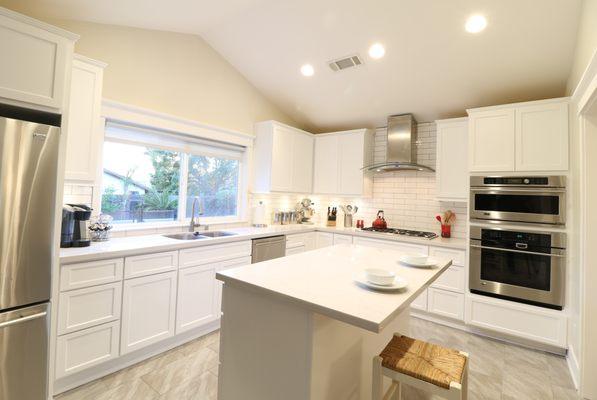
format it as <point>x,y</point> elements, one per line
<point>586,44</point>
<point>174,73</point>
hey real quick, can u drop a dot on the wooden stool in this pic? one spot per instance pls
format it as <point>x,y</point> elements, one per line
<point>429,367</point>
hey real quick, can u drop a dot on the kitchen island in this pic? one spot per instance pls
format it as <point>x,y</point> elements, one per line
<point>300,328</point>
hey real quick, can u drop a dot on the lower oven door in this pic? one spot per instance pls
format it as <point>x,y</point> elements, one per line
<point>526,276</point>
<point>535,206</point>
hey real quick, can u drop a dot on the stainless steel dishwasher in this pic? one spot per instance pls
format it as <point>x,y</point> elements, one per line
<point>268,248</point>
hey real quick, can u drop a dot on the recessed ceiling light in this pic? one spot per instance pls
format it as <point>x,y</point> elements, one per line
<point>307,70</point>
<point>475,24</point>
<point>377,50</point>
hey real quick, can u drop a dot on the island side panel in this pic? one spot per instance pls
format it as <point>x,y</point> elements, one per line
<point>265,348</point>
<point>342,357</point>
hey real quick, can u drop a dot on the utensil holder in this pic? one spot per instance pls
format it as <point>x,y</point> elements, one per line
<point>446,231</point>
<point>348,220</point>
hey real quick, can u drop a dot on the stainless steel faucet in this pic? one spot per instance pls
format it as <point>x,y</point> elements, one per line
<point>195,222</point>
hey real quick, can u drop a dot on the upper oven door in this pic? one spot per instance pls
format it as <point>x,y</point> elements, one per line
<point>545,206</point>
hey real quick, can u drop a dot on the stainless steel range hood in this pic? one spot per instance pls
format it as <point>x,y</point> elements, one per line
<point>401,146</point>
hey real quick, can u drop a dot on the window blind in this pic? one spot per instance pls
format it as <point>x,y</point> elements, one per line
<point>173,141</point>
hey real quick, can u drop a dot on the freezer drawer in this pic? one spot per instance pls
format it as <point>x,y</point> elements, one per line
<point>24,353</point>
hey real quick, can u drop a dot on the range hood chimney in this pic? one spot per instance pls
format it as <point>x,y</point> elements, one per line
<point>401,147</point>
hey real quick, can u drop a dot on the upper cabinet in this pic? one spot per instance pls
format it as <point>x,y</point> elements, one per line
<point>85,129</point>
<point>452,155</point>
<point>283,159</point>
<point>530,136</point>
<point>36,62</point>
<point>339,159</point>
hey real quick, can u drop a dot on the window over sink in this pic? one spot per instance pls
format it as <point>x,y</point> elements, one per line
<point>154,176</point>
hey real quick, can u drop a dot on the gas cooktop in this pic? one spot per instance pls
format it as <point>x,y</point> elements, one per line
<point>404,232</point>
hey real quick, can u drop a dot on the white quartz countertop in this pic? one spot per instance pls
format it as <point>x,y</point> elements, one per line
<point>135,245</point>
<point>323,282</point>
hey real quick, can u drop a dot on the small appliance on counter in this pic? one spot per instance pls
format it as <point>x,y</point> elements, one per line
<point>305,211</point>
<point>75,225</point>
<point>349,211</point>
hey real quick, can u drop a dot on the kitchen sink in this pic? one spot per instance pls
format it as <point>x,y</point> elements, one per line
<point>186,236</point>
<point>217,234</point>
<point>199,235</point>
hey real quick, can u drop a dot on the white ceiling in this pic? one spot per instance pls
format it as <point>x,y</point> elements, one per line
<point>432,67</point>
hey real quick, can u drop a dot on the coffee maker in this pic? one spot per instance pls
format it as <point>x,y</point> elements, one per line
<point>75,225</point>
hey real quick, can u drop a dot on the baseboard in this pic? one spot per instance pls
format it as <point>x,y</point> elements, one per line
<point>75,380</point>
<point>573,367</point>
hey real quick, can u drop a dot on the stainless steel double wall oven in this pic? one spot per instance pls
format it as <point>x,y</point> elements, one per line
<point>517,246</point>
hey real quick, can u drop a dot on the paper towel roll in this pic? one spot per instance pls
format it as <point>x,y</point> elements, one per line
<point>259,215</point>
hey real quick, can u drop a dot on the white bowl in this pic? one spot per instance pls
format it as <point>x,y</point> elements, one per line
<point>417,258</point>
<point>380,276</point>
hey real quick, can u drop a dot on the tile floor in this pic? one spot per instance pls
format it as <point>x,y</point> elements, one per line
<point>498,371</point>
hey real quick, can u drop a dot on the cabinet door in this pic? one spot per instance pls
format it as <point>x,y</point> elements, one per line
<point>445,303</point>
<point>323,239</point>
<point>148,310</point>
<point>491,140</point>
<point>282,160</point>
<point>302,163</point>
<point>350,149</point>
<point>420,303</point>
<point>452,161</point>
<point>84,139</point>
<point>197,297</point>
<point>542,137</point>
<point>224,265</point>
<point>295,250</point>
<point>342,239</point>
<point>451,279</point>
<point>325,176</point>
<point>33,67</point>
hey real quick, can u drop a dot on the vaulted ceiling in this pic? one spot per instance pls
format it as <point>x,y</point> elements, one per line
<point>432,67</point>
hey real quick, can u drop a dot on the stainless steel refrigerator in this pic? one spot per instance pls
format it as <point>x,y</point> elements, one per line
<point>29,143</point>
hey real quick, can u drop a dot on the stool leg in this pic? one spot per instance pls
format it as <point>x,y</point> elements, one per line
<point>377,381</point>
<point>398,392</point>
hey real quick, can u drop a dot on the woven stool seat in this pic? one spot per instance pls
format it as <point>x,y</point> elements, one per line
<point>425,361</point>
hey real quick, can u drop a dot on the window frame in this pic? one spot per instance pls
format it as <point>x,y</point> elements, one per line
<point>182,219</point>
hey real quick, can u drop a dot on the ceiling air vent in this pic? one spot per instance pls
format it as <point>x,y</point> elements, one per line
<point>344,63</point>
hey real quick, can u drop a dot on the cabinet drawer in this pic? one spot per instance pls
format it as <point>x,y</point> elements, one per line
<point>458,257</point>
<point>214,254</point>
<point>452,279</point>
<point>521,320</point>
<point>323,239</point>
<point>420,303</point>
<point>149,264</point>
<point>445,303</point>
<point>83,349</point>
<point>295,250</point>
<point>342,239</point>
<point>77,276</point>
<point>406,248</point>
<point>296,240</point>
<point>83,308</point>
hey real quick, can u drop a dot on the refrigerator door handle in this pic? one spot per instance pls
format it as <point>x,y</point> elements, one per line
<point>22,319</point>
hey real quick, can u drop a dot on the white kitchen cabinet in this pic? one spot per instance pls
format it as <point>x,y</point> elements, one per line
<point>85,130</point>
<point>406,248</point>
<point>214,253</point>
<point>222,266</point>
<point>84,349</point>
<point>523,137</point>
<point>542,137</point>
<point>295,250</point>
<point>452,177</point>
<point>458,257</point>
<point>148,310</point>
<point>83,308</point>
<point>323,239</point>
<point>299,242</point>
<point>420,303</point>
<point>36,62</point>
<point>81,275</point>
<point>342,239</point>
<point>339,157</point>
<point>445,303</point>
<point>197,298</point>
<point>491,140</point>
<point>282,159</point>
<point>451,279</point>
<point>516,319</point>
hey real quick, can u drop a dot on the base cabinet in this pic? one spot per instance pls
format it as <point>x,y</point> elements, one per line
<point>323,239</point>
<point>196,302</point>
<point>420,302</point>
<point>148,310</point>
<point>445,303</point>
